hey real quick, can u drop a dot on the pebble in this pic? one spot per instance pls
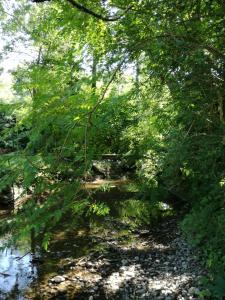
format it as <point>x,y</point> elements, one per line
<point>57,279</point>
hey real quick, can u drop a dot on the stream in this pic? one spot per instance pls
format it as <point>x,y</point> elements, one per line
<point>19,268</point>
<point>109,257</point>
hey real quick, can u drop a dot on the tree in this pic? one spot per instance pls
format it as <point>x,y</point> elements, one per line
<point>172,128</point>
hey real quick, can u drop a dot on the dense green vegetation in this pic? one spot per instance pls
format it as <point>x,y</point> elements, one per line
<point>142,79</point>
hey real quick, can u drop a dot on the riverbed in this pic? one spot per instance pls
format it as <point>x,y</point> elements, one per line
<point>110,257</point>
<point>22,267</point>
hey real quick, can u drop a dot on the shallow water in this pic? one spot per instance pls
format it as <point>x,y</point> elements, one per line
<point>16,273</point>
<point>19,268</point>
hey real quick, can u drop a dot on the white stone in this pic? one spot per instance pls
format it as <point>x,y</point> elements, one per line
<point>58,279</point>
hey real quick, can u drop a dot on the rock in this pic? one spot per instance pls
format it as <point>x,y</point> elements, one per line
<point>123,269</point>
<point>136,258</point>
<point>92,270</point>
<point>141,291</point>
<point>106,168</point>
<point>74,279</point>
<point>89,264</point>
<point>57,279</point>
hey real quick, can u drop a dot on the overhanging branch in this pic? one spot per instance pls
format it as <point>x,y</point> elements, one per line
<point>89,11</point>
<point>92,13</point>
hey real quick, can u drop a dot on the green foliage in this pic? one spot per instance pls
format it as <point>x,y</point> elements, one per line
<point>80,207</point>
<point>138,212</point>
<point>162,110</point>
<point>100,209</point>
<point>208,235</point>
<point>105,187</point>
<point>46,241</point>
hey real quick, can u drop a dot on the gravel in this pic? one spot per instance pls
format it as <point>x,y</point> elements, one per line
<point>159,265</point>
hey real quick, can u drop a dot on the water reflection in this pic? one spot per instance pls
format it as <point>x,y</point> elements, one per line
<point>16,273</point>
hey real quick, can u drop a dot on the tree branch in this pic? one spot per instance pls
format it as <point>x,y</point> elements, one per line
<point>92,13</point>
<point>89,11</point>
<point>105,90</point>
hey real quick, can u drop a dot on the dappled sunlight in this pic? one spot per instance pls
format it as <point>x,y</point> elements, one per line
<point>110,257</point>
<point>146,268</point>
<point>113,283</point>
<point>107,257</point>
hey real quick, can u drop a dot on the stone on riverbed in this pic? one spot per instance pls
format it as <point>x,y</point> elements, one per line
<point>57,279</point>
